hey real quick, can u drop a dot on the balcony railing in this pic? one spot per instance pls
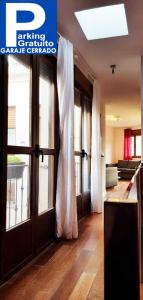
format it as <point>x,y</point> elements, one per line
<point>17,194</point>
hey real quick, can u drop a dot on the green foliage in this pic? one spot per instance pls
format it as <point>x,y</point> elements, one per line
<point>12,159</point>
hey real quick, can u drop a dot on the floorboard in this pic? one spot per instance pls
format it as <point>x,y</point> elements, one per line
<point>70,270</point>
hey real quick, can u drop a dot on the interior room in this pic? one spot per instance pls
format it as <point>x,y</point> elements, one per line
<point>123,145</point>
<point>71,173</point>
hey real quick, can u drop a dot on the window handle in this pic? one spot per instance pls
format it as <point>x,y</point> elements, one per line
<point>42,154</point>
<point>38,152</point>
<point>84,154</point>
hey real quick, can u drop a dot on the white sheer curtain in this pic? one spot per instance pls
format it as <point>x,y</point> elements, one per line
<point>96,163</point>
<point>66,211</point>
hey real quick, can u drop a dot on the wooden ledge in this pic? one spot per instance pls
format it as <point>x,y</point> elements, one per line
<point>122,200</point>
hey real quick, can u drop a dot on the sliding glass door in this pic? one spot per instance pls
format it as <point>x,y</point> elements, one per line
<point>29,152</point>
<point>29,147</point>
<point>18,142</point>
<point>46,144</point>
<point>86,144</point>
<point>82,147</point>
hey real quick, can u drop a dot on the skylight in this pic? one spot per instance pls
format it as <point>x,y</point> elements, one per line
<point>103,22</point>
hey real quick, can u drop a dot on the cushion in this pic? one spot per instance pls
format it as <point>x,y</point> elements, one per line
<point>122,163</point>
<point>132,164</point>
<point>111,177</point>
<point>111,170</point>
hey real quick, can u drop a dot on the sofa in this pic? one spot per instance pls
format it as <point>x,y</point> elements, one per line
<point>126,168</point>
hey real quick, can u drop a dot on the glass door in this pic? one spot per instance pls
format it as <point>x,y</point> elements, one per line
<point>17,164</point>
<point>46,153</point>
<point>86,143</point>
<point>82,145</point>
<point>29,154</point>
<point>77,142</point>
<point>18,141</point>
<point>86,151</point>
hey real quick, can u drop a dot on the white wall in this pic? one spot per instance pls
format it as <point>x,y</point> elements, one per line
<point>103,148</point>
<point>119,144</point>
<point>114,144</point>
<point>110,147</point>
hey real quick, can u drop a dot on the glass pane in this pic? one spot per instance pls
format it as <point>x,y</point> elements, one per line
<point>86,174</point>
<point>77,122</point>
<point>12,136</point>
<point>18,101</point>
<point>18,196</point>
<point>46,106</point>
<point>46,184</point>
<point>132,146</point>
<point>78,175</point>
<point>86,140</point>
<point>138,145</point>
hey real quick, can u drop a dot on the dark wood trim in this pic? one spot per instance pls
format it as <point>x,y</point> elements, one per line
<point>18,258</point>
<point>45,229</point>
<point>34,174</point>
<point>136,132</point>
<point>49,151</point>
<point>45,222</point>
<point>36,237</point>
<point>121,250</point>
<point>19,150</point>
<point>82,83</point>
<point>135,145</point>
<point>3,160</point>
<point>85,90</point>
<point>52,60</point>
<point>4,138</point>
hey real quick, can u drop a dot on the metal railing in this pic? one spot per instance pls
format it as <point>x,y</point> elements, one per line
<point>17,194</point>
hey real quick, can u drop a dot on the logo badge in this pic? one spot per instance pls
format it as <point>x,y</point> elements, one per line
<point>28,27</point>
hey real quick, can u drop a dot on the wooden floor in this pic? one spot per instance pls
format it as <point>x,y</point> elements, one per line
<point>70,270</point>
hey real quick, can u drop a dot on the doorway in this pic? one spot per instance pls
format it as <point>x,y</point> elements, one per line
<point>29,152</point>
<point>29,148</point>
<point>82,145</point>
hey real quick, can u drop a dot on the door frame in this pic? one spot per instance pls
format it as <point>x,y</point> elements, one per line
<point>21,257</point>
<point>83,85</point>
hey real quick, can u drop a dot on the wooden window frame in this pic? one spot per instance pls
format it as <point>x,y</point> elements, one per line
<point>84,86</point>
<point>37,234</point>
<point>135,133</point>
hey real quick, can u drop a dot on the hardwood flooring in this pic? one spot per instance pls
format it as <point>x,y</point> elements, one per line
<point>68,270</point>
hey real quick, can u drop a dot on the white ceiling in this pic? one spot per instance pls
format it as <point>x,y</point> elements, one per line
<point>120,92</point>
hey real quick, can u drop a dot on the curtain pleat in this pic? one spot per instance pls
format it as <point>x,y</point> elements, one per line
<point>128,144</point>
<point>96,164</point>
<point>66,210</point>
